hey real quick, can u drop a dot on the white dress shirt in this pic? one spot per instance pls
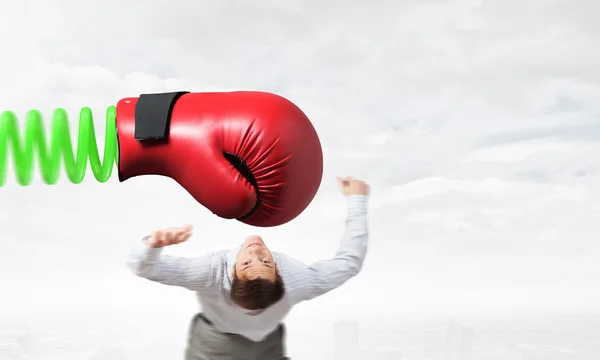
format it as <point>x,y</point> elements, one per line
<point>209,276</point>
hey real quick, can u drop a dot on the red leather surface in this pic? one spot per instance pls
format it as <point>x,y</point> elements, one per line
<point>269,133</point>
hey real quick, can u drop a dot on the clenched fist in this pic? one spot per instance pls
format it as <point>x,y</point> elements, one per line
<point>350,186</point>
<point>170,236</point>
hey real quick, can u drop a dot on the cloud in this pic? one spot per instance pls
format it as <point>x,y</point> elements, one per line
<point>475,122</point>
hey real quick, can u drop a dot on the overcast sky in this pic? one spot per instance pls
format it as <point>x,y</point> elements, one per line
<point>476,122</point>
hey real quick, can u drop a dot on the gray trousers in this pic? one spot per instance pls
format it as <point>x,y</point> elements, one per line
<point>205,342</point>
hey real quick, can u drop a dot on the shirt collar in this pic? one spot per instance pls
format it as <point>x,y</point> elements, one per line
<point>231,255</point>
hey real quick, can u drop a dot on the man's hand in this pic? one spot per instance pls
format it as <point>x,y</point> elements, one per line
<point>170,236</point>
<point>350,186</point>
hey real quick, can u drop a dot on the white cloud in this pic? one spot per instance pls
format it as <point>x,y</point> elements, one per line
<point>522,151</point>
<point>475,122</point>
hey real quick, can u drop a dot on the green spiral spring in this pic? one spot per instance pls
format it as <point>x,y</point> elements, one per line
<point>61,147</point>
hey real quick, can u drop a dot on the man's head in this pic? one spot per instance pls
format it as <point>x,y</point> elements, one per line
<point>256,283</point>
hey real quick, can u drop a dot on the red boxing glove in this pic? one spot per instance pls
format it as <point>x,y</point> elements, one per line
<point>248,155</point>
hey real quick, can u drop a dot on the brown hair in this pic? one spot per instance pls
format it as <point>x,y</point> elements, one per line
<point>256,294</point>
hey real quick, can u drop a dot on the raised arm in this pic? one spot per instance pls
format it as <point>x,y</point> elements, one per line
<point>304,282</point>
<point>147,261</point>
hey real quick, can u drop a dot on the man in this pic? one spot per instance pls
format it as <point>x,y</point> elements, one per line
<point>246,293</point>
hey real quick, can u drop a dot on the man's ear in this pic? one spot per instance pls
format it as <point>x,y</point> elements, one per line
<point>233,272</point>
<point>277,269</point>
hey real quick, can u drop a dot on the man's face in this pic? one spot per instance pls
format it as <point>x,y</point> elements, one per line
<point>254,260</point>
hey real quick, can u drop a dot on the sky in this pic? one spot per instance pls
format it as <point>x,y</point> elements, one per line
<point>475,122</point>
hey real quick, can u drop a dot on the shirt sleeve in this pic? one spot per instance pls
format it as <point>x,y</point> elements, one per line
<point>197,273</point>
<point>305,282</point>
